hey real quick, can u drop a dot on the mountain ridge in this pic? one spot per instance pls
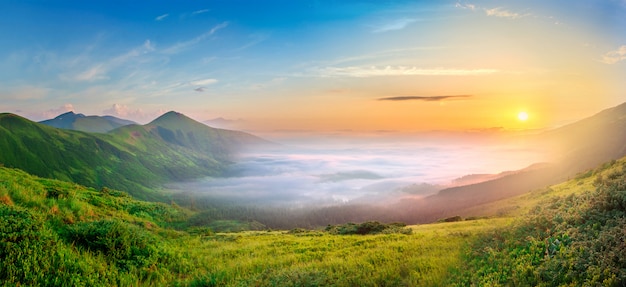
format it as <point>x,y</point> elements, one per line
<point>80,122</point>
<point>132,158</point>
<point>580,146</point>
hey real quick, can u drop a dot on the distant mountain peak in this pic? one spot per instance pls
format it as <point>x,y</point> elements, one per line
<point>80,122</point>
<point>170,117</point>
<point>70,115</point>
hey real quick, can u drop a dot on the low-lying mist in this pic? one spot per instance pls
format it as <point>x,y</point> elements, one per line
<point>311,175</point>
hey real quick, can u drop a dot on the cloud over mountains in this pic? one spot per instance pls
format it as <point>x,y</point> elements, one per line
<point>424,98</point>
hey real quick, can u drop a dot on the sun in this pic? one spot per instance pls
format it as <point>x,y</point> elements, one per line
<point>522,116</point>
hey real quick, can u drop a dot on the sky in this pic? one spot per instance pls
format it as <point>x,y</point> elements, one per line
<point>317,66</point>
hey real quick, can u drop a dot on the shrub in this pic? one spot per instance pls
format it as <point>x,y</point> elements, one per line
<point>25,246</point>
<point>370,227</point>
<point>451,219</point>
<point>126,245</point>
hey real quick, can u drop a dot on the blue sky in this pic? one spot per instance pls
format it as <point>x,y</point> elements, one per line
<point>316,65</point>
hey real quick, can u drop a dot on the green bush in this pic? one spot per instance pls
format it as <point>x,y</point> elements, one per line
<point>126,245</point>
<point>25,246</point>
<point>370,227</point>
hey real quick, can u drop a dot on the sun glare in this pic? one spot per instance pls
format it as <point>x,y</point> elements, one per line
<point>522,116</point>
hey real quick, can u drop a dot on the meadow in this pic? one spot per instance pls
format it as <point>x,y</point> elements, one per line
<point>55,233</point>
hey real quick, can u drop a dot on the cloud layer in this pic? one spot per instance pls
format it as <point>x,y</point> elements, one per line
<point>424,98</point>
<point>366,173</point>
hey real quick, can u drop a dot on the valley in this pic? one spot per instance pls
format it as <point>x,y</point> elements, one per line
<point>103,234</point>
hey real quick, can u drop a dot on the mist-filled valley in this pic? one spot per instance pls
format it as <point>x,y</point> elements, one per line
<point>353,174</point>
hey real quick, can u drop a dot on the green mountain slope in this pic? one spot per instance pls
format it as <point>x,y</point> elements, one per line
<point>55,233</point>
<point>80,122</point>
<point>180,132</point>
<point>132,158</point>
<point>570,234</point>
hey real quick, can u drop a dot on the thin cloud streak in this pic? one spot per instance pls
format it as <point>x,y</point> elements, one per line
<point>365,72</point>
<point>394,26</point>
<point>181,46</point>
<point>204,82</point>
<point>424,98</point>
<point>616,56</point>
<point>161,17</point>
<point>465,6</point>
<point>99,71</point>
<point>499,12</point>
<point>200,11</point>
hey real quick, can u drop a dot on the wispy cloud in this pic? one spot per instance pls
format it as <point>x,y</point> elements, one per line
<point>615,56</point>
<point>502,13</point>
<point>200,11</point>
<point>204,82</point>
<point>424,98</point>
<point>254,40</point>
<point>161,17</point>
<point>465,6</point>
<point>181,46</point>
<point>99,70</point>
<point>373,71</point>
<point>398,24</point>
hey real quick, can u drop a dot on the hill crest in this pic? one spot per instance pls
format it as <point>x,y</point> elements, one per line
<point>80,122</point>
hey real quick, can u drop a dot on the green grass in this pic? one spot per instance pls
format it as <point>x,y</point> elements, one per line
<point>58,233</point>
<point>573,236</point>
<point>424,258</point>
<point>55,233</point>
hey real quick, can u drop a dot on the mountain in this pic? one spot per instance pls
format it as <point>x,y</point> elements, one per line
<point>133,158</point>
<point>80,122</point>
<point>178,129</point>
<point>591,141</point>
<point>576,147</point>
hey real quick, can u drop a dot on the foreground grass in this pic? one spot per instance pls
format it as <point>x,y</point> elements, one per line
<point>54,233</point>
<point>424,258</point>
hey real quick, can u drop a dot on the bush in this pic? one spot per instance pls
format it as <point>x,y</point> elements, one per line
<point>25,246</point>
<point>451,219</point>
<point>126,245</point>
<point>370,227</point>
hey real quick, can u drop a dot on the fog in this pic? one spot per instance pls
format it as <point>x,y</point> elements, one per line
<point>305,173</point>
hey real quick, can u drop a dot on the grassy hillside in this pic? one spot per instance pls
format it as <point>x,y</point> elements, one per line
<point>56,233</point>
<point>571,234</point>
<point>133,158</point>
<point>177,131</point>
